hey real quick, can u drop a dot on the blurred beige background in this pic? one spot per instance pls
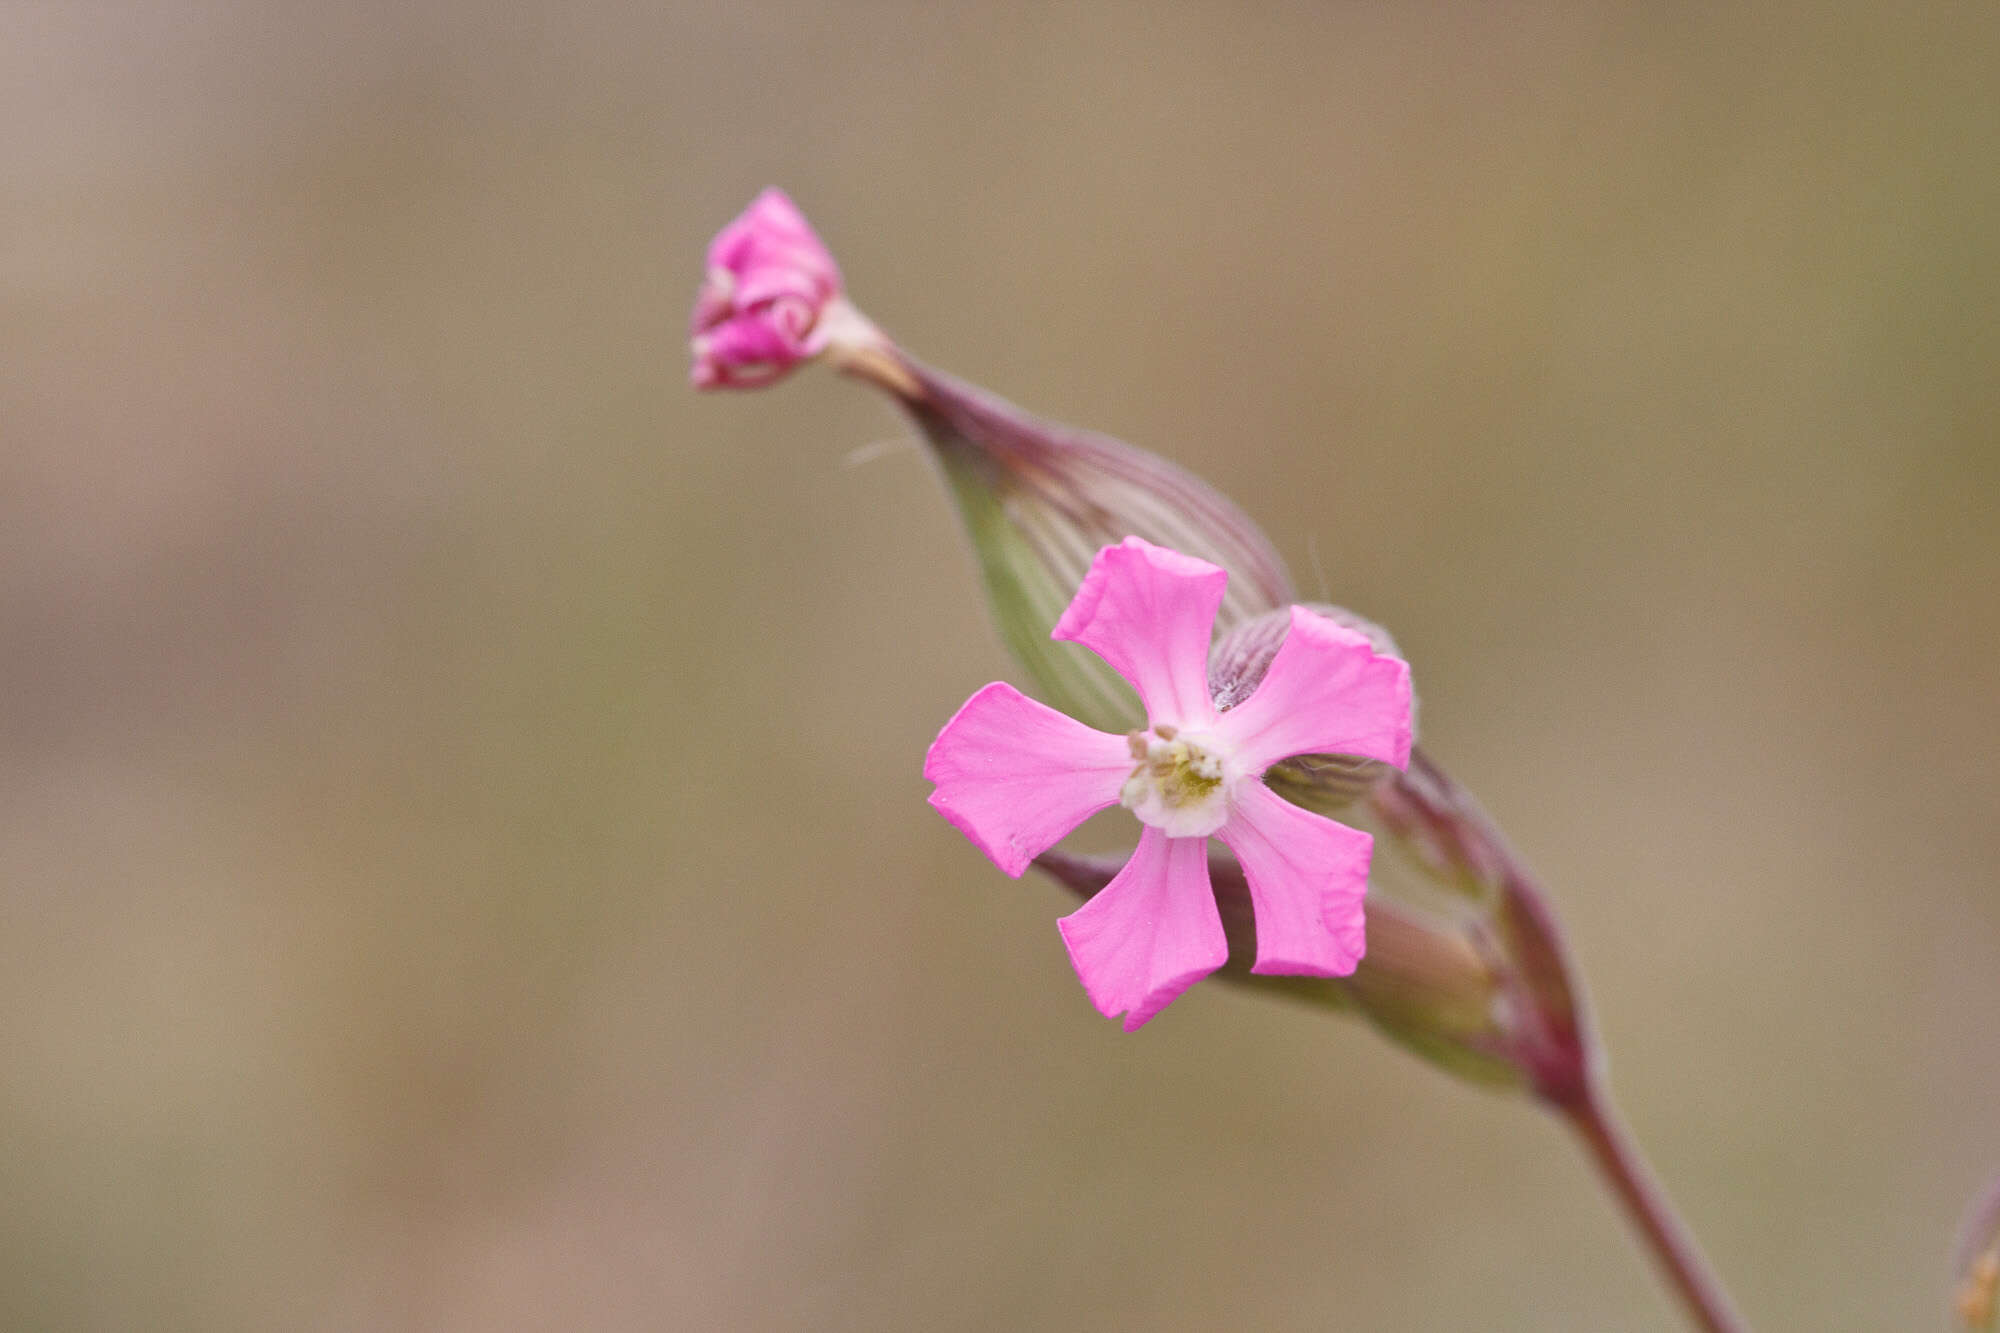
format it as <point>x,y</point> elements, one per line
<point>462,851</point>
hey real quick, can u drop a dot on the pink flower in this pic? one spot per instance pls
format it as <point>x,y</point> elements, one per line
<point>1016,776</point>
<point>762,309</point>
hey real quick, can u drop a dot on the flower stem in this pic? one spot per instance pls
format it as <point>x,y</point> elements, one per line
<point>1549,1036</point>
<point>1617,1157</point>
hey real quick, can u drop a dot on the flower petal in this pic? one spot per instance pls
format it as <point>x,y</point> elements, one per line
<point>1150,933</point>
<point>1307,876</point>
<point>1149,612</point>
<point>772,233</point>
<point>743,351</point>
<point>1015,776</point>
<point>1328,692</point>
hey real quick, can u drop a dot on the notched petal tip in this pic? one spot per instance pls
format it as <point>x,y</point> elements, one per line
<point>1155,1003</point>
<point>1151,933</point>
<point>1115,998</point>
<point>1012,861</point>
<point>1149,612</point>
<point>1015,776</point>
<point>1130,562</point>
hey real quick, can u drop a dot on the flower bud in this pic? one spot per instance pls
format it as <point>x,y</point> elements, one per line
<point>1469,873</point>
<point>1038,499</point>
<point>772,298</point>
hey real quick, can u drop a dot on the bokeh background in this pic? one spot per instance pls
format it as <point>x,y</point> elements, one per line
<point>462,849</point>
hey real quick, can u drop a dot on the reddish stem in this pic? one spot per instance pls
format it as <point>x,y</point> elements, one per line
<point>1550,1035</point>
<point>1618,1159</point>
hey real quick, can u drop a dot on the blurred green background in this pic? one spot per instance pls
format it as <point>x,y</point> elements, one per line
<point>463,855</point>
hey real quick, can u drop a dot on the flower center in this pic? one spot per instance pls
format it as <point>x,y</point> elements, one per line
<point>1177,785</point>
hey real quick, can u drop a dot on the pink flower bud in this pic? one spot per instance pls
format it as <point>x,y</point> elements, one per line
<point>771,300</point>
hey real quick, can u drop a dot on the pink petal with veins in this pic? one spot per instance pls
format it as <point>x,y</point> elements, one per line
<point>1150,933</point>
<point>1307,877</point>
<point>1327,692</point>
<point>1015,776</point>
<point>1149,613</point>
<point>772,235</point>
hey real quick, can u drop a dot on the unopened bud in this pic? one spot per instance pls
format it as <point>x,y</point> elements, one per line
<point>1039,499</point>
<point>1539,1011</point>
<point>771,299</point>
